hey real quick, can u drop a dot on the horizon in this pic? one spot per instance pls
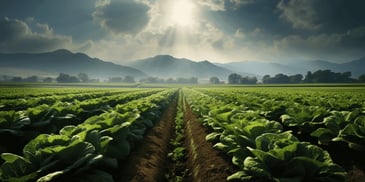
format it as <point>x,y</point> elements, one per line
<point>197,61</point>
<point>218,31</point>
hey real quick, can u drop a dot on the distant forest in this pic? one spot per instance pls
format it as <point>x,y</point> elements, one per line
<point>84,78</point>
<point>320,76</point>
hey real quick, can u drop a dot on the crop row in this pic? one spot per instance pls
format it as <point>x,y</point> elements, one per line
<point>86,152</point>
<point>25,125</point>
<point>260,147</point>
<point>28,92</point>
<point>311,115</point>
<point>26,102</point>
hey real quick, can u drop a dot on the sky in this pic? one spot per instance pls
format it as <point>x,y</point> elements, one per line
<point>214,30</point>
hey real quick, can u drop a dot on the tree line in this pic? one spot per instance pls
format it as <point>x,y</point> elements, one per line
<point>319,76</point>
<point>84,78</point>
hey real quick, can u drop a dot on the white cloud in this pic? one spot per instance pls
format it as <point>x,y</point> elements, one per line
<point>214,5</point>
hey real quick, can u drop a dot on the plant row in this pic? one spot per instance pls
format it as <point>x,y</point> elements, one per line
<point>25,125</point>
<point>308,115</point>
<point>28,92</point>
<point>88,151</point>
<point>259,147</point>
<point>23,103</point>
<point>177,155</point>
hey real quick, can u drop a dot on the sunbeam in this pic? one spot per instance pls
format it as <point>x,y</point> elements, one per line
<point>182,13</point>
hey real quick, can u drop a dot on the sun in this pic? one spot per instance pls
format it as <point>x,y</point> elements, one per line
<point>182,13</point>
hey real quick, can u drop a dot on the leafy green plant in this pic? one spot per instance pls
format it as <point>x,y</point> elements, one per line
<point>305,118</point>
<point>281,157</point>
<point>12,122</point>
<point>334,123</point>
<point>354,134</point>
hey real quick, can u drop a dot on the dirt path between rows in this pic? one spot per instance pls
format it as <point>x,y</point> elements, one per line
<point>148,162</point>
<point>206,163</point>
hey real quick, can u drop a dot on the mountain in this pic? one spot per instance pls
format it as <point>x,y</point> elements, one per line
<point>260,68</point>
<point>53,63</point>
<point>356,67</point>
<point>166,66</point>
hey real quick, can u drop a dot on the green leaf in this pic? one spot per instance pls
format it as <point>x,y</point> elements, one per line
<point>324,135</point>
<point>212,136</point>
<point>257,169</point>
<point>269,141</point>
<point>16,168</point>
<point>239,175</point>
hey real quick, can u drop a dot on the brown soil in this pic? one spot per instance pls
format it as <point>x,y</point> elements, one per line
<point>356,175</point>
<point>148,162</point>
<point>206,163</point>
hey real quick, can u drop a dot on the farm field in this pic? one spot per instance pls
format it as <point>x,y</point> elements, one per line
<point>183,133</point>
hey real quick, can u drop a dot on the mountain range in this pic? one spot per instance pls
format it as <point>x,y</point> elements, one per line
<point>163,66</point>
<point>356,67</point>
<point>166,66</point>
<point>53,63</point>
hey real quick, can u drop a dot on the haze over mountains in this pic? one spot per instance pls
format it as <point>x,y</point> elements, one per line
<point>163,66</point>
<point>356,67</point>
<point>166,66</point>
<point>52,63</point>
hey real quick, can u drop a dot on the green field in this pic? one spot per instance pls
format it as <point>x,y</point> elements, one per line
<point>268,132</point>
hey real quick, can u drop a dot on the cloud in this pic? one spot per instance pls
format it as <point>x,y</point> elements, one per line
<point>224,5</point>
<point>18,36</point>
<point>302,14</point>
<point>336,46</point>
<point>122,16</point>
<point>324,15</point>
<point>214,5</point>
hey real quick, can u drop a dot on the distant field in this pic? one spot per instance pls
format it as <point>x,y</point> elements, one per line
<point>102,132</point>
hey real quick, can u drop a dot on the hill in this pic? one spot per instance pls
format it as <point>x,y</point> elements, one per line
<point>53,63</point>
<point>166,66</point>
<point>356,67</point>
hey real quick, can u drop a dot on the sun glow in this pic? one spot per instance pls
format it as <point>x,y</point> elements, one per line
<point>182,13</point>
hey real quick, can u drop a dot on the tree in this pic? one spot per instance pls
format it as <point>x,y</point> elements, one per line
<point>362,78</point>
<point>248,80</point>
<point>48,80</point>
<point>281,78</point>
<point>308,78</point>
<point>83,77</point>
<point>65,78</point>
<point>296,78</point>
<point>234,78</point>
<point>266,79</point>
<point>31,79</point>
<point>327,76</point>
<point>214,80</point>
<point>17,79</point>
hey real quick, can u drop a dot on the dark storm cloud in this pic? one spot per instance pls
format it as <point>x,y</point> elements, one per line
<point>248,16</point>
<point>67,17</point>
<point>323,15</point>
<point>126,17</point>
<point>312,29</point>
<point>17,36</point>
<point>330,28</point>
